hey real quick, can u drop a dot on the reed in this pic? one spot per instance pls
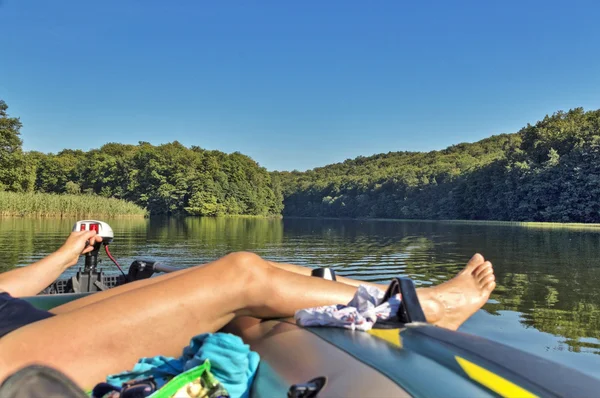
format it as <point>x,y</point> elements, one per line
<point>53,205</point>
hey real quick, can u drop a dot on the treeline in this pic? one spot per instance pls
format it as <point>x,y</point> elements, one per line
<point>549,171</point>
<point>164,179</point>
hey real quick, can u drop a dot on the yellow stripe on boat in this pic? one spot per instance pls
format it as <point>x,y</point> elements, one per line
<point>392,336</point>
<point>498,384</point>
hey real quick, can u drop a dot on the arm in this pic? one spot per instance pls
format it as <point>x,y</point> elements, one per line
<point>32,279</point>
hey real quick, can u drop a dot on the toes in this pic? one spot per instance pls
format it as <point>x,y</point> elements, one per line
<point>476,260</point>
<point>481,267</point>
<point>486,280</point>
<point>484,274</point>
<point>490,286</point>
<point>483,270</point>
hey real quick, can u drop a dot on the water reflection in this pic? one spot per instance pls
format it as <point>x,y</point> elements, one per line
<point>549,278</point>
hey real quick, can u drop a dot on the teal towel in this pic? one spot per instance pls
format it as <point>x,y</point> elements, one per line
<point>232,363</point>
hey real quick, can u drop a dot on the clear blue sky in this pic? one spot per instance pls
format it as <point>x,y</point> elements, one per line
<point>293,84</point>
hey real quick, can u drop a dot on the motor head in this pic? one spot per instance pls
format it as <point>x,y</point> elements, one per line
<point>102,229</point>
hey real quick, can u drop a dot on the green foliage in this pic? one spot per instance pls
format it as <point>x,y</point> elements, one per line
<point>16,173</point>
<point>165,179</point>
<point>549,171</point>
<point>51,205</point>
<point>72,188</point>
<point>546,172</point>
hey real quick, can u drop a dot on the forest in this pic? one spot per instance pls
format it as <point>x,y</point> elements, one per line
<point>164,179</point>
<point>548,171</point>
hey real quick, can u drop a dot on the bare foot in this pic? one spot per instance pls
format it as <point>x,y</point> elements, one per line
<point>450,304</point>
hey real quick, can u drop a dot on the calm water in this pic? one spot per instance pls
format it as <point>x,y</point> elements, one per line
<point>547,299</point>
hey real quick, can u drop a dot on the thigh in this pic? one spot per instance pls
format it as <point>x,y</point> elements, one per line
<point>103,295</point>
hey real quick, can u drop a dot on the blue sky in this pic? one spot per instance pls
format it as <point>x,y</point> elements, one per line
<point>293,84</point>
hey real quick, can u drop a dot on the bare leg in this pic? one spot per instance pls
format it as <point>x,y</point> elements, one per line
<point>445,308</point>
<point>447,305</point>
<point>103,295</point>
<point>160,317</point>
<point>307,271</point>
<point>454,301</point>
<point>84,301</point>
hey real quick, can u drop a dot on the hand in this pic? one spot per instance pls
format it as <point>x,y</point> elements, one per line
<point>76,245</point>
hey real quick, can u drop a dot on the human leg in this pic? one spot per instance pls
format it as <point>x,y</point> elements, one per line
<point>448,304</point>
<point>84,301</point>
<point>444,305</point>
<point>159,319</point>
<point>105,294</point>
<point>87,300</point>
<point>298,269</point>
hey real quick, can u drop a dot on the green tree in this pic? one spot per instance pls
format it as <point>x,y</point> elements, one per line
<point>549,171</point>
<point>16,174</point>
<point>72,188</point>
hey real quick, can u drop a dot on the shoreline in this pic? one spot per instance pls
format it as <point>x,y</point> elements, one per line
<point>535,224</point>
<point>530,224</point>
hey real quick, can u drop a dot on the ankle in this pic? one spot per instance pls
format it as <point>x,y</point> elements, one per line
<point>432,307</point>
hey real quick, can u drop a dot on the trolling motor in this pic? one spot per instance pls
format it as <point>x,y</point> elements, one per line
<point>91,279</point>
<point>102,229</point>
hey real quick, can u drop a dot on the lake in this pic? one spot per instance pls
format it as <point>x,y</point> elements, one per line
<point>547,301</point>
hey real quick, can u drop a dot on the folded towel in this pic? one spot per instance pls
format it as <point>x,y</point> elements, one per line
<point>232,363</point>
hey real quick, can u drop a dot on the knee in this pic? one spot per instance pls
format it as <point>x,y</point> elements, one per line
<point>251,272</point>
<point>248,265</point>
<point>246,259</point>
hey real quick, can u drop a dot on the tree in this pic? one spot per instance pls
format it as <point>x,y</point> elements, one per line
<point>549,171</point>
<point>72,188</point>
<point>15,172</point>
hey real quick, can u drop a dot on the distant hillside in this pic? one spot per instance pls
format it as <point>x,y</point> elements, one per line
<point>546,172</point>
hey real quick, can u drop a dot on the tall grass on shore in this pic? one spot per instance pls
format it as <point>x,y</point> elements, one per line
<point>52,205</point>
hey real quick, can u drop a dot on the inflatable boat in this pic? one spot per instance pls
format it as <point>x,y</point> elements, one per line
<point>407,359</point>
<point>403,358</point>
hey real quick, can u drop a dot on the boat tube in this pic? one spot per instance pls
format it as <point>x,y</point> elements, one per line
<point>409,358</point>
